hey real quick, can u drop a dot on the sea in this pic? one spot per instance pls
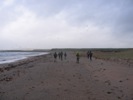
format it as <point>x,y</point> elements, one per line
<point>8,57</point>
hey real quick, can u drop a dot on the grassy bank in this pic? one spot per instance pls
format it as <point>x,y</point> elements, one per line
<point>119,54</point>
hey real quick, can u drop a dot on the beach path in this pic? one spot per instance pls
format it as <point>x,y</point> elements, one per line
<point>44,79</point>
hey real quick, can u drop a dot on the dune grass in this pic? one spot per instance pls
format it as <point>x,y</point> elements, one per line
<point>122,54</point>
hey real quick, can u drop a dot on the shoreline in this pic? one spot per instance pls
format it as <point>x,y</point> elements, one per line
<point>21,62</point>
<point>39,78</point>
<point>18,58</point>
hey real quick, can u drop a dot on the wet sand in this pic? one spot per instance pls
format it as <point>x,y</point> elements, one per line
<point>40,78</point>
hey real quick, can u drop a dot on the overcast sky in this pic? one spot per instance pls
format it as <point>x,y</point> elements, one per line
<point>45,24</point>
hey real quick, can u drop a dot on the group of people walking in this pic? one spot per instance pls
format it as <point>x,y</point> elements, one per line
<point>89,55</point>
<point>61,54</point>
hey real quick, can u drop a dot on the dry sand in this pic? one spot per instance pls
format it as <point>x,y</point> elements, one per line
<point>40,78</point>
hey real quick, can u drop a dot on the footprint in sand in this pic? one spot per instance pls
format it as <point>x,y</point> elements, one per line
<point>2,92</point>
<point>88,92</point>
<point>96,80</point>
<point>27,93</point>
<point>60,84</point>
<point>57,95</point>
<point>108,82</point>
<point>8,79</point>
<point>33,87</point>
<point>74,86</point>
<point>127,79</point>
<point>119,97</point>
<point>65,90</point>
<point>109,92</point>
<point>120,81</point>
<point>83,81</point>
<point>112,89</point>
<point>73,75</point>
<point>115,87</point>
<point>13,74</point>
<point>121,91</point>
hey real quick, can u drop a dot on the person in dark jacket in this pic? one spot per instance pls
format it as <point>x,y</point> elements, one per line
<point>77,55</point>
<point>55,56</point>
<point>90,55</point>
<point>65,55</point>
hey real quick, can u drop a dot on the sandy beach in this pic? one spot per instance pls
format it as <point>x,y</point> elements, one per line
<point>40,78</point>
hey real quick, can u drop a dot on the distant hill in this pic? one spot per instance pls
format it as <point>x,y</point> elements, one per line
<point>35,50</point>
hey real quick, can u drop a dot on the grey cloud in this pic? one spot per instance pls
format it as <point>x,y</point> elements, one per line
<point>47,8</point>
<point>8,14</point>
<point>113,14</point>
<point>124,23</point>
